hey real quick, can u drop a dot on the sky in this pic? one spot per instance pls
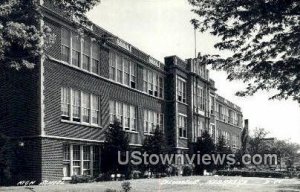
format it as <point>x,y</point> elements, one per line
<point>162,28</point>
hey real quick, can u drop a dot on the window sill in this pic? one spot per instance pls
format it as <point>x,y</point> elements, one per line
<point>148,134</point>
<point>83,124</point>
<point>183,138</point>
<point>130,131</point>
<point>182,102</point>
<point>66,179</point>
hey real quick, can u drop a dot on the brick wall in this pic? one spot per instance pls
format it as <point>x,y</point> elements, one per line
<point>19,93</point>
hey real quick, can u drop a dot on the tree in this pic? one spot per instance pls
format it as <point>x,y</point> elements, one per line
<point>221,144</point>
<point>257,144</point>
<point>222,149</point>
<point>23,38</point>
<point>204,145</point>
<point>263,37</point>
<point>116,140</point>
<point>156,144</point>
<point>285,150</point>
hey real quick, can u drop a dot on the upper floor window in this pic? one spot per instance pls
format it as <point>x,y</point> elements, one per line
<point>65,103</point>
<point>198,127</point>
<point>86,54</point>
<point>76,105</point>
<point>153,83</point>
<point>212,104</point>
<point>86,110</point>
<point>199,69</point>
<point>152,120</point>
<point>199,98</point>
<point>76,48</point>
<point>122,70</point>
<point>95,58</point>
<point>80,52</point>
<point>124,113</point>
<point>181,90</point>
<point>85,107</point>
<point>65,45</point>
<point>182,125</point>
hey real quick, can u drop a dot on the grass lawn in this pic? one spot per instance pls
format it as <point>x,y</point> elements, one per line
<point>176,184</point>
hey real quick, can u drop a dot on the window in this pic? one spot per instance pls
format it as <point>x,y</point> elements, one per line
<point>86,54</point>
<point>145,80</point>
<point>96,160</point>
<point>122,70</point>
<point>126,72</point>
<point>161,121</point>
<point>66,152</point>
<point>112,66</point>
<point>119,69</point>
<point>85,160</point>
<point>133,75</point>
<point>152,120</point>
<point>112,111</point>
<point>199,98</point>
<point>124,113</point>
<point>161,87</point>
<point>76,160</point>
<point>66,161</point>
<point>182,126</point>
<point>65,103</point>
<point>199,69</point>
<point>81,109</point>
<point>200,127</point>
<point>212,104</point>
<point>95,58</point>
<point>76,47</point>
<point>181,90</point>
<point>133,118</point>
<point>126,109</point>
<point>95,110</point>
<point>76,105</point>
<point>85,107</point>
<point>153,83</point>
<point>65,45</point>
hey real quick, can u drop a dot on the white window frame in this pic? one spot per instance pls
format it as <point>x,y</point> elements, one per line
<point>90,108</point>
<point>65,45</point>
<point>114,69</point>
<point>65,100</point>
<point>153,83</point>
<point>182,125</point>
<point>158,120</point>
<point>81,160</point>
<point>120,114</point>
<point>181,90</point>
<point>93,45</point>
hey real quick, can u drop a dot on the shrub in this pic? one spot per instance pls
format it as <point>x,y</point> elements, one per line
<point>110,190</point>
<point>80,179</point>
<point>187,170</point>
<point>136,174</point>
<point>126,186</point>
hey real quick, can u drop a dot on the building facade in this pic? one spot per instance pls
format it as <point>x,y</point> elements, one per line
<point>59,111</point>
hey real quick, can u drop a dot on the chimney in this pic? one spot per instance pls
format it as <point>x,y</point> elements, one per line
<point>246,123</point>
